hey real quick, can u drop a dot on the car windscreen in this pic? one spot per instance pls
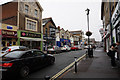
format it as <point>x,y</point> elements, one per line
<point>15,54</point>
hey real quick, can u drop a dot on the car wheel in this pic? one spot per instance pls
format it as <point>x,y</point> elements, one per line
<point>24,71</point>
<point>52,61</point>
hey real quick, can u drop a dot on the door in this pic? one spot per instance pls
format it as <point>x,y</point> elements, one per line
<point>29,59</point>
<point>41,58</point>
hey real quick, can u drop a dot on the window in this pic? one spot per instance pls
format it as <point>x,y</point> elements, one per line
<point>31,24</point>
<point>28,54</point>
<point>38,53</point>
<point>45,31</point>
<point>3,43</point>
<point>62,35</point>
<point>36,12</point>
<point>15,54</point>
<point>14,43</point>
<point>26,8</point>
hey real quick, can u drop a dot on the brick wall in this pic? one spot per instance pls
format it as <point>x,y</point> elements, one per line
<point>9,13</point>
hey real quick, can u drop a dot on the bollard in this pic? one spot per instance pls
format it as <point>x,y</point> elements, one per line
<point>86,55</point>
<point>75,64</point>
<point>47,77</point>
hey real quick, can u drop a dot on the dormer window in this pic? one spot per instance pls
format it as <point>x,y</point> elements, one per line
<point>26,8</point>
<point>36,12</point>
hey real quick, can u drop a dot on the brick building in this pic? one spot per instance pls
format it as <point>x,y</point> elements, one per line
<point>49,32</point>
<point>27,16</point>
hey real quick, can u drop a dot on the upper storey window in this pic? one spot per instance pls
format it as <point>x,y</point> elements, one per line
<point>36,12</point>
<point>26,8</point>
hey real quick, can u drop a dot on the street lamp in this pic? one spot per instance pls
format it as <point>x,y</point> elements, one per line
<point>88,33</point>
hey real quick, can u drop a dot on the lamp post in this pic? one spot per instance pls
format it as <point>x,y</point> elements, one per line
<point>88,29</point>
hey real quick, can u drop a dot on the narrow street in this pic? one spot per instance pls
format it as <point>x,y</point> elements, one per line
<point>62,60</point>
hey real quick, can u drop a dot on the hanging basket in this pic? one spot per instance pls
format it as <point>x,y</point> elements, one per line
<point>88,33</point>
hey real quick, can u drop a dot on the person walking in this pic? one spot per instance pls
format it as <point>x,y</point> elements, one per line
<point>118,50</point>
<point>112,52</point>
<point>118,53</point>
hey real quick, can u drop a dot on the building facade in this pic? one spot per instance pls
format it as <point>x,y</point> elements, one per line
<point>58,36</point>
<point>27,16</point>
<point>77,35</point>
<point>8,35</point>
<point>110,23</point>
<point>49,32</point>
<point>64,37</point>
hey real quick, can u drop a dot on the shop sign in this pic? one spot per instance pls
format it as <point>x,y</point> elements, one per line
<point>9,33</point>
<point>116,14</point>
<point>28,34</point>
<point>0,32</point>
<point>9,27</point>
<point>48,37</point>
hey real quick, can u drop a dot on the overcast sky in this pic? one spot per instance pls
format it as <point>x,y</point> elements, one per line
<point>71,14</point>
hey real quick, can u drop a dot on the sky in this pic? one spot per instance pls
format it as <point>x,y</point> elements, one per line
<point>71,14</point>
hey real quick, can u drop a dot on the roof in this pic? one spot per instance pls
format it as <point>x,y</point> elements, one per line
<point>77,31</point>
<point>24,1</point>
<point>46,20</point>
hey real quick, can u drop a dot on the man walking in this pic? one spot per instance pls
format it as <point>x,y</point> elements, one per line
<point>112,52</point>
<point>118,50</point>
<point>118,53</point>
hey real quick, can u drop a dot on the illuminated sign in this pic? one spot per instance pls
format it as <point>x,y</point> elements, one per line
<point>28,34</point>
<point>9,27</point>
<point>6,32</point>
<point>10,34</point>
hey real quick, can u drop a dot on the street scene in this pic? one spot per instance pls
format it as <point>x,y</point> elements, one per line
<point>59,39</point>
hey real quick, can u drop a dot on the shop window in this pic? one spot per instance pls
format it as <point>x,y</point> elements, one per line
<point>9,43</point>
<point>14,43</point>
<point>3,43</point>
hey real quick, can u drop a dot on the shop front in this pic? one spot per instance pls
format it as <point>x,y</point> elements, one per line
<point>30,39</point>
<point>65,42</point>
<point>116,23</point>
<point>8,35</point>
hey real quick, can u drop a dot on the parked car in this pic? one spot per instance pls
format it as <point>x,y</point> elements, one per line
<point>85,47</point>
<point>79,47</point>
<point>54,49</point>
<point>23,62</point>
<point>5,50</point>
<point>75,47</point>
<point>65,48</point>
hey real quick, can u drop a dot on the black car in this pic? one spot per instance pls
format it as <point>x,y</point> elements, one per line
<point>22,62</point>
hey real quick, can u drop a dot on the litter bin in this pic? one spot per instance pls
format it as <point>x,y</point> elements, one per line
<point>90,52</point>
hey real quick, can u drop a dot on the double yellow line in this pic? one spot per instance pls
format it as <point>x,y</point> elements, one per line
<point>66,68</point>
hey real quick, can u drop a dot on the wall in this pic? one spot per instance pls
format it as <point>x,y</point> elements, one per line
<point>9,13</point>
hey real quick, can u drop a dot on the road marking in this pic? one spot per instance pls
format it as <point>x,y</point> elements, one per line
<point>66,68</point>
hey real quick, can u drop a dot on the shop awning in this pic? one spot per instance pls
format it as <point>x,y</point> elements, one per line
<point>32,39</point>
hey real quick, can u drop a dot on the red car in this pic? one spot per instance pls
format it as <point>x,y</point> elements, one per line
<point>74,48</point>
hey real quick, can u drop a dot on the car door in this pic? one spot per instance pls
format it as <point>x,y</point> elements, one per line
<point>29,59</point>
<point>41,58</point>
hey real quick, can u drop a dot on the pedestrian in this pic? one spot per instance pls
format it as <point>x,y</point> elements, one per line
<point>112,52</point>
<point>118,53</point>
<point>118,50</point>
<point>90,51</point>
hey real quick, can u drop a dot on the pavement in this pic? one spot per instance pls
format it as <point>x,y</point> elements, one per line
<point>97,67</point>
